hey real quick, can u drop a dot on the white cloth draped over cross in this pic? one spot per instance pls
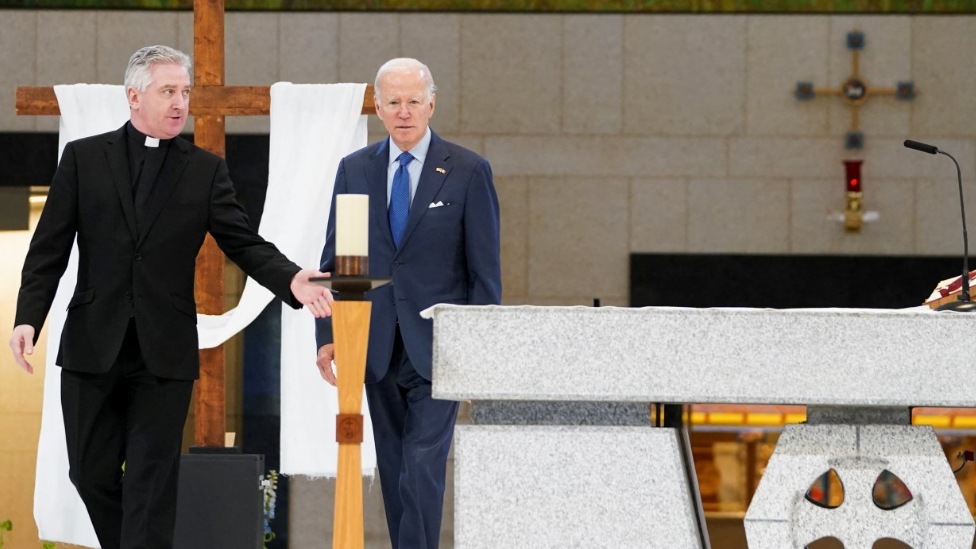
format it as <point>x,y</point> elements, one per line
<point>312,127</point>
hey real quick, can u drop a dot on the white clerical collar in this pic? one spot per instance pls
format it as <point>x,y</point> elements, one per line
<point>152,141</point>
<point>418,152</point>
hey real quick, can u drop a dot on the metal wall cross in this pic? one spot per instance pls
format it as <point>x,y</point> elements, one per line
<point>855,91</point>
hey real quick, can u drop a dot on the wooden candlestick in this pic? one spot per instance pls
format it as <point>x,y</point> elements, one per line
<point>350,331</point>
<point>350,328</point>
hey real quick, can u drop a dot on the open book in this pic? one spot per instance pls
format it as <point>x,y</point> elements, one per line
<point>948,290</point>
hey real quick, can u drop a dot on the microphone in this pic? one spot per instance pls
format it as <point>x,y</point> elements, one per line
<point>963,305</point>
<point>921,147</point>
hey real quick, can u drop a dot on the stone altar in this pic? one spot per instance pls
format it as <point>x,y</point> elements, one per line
<point>563,455</point>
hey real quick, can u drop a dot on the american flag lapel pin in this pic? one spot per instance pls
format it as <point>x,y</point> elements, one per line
<point>440,170</point>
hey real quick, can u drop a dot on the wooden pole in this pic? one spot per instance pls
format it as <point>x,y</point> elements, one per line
<point>206,100</point>
<point>350,328</point>
<point>211,399</point>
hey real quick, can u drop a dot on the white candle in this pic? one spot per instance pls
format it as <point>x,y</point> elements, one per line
<point>352,225</point>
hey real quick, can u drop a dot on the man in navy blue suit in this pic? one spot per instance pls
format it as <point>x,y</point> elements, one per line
<point>433,228</point>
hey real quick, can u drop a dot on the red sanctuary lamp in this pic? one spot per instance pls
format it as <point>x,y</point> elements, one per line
<point>854,211</point>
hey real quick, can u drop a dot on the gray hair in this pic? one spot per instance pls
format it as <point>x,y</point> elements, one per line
<point>137,73</point>
<point>405,64</point>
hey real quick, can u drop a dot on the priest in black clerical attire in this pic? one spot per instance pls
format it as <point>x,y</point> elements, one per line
<point>140,201</point>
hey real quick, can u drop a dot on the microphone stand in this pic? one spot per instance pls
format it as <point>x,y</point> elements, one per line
<point>964,304</point>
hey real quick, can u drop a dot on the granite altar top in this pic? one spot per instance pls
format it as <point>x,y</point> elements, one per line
<point>824,357</point>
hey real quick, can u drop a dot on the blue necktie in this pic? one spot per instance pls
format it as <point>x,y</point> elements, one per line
<point>400,199</point>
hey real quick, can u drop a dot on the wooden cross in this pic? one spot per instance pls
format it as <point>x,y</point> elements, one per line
<point>855,91</point>
<point>211,102</point>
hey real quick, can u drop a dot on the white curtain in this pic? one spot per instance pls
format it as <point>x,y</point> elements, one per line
<point>313,127</point>
<point>60,515</point>
<point>306,147</point>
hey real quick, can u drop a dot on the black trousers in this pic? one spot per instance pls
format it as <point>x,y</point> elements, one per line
<point>124,430</point>
<point>413,435</point>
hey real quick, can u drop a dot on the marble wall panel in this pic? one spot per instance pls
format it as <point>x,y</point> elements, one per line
<point>511,73</point>
<point>68,54</point>
<point>945,74</point>
<point>473,142</point>
<point>609,156</point>
<point>658,215</point>
<point>513,199</point>
<point>18,64</point>
<point>888,157</point>
<point>121,33</point>
<point>366,41</point>
<point>435,39</point>
<point>592,91</point>
<point>578,237</point>
<point>785,156</point>
<point>308,48</point>
<point>738,215</point>
<point>253,39</point>
<point>184,32</point>
<point>938,217</point>
<point>184,43</point>
<point>784,50</point>
<point>684,75</point>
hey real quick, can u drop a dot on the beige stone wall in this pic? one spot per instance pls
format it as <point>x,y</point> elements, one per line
<point>610,134</point>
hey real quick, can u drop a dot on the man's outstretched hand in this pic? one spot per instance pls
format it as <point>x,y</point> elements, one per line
<point>317,298</point>
<point>21,343</point>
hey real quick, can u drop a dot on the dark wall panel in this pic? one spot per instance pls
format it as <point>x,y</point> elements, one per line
<point>786,281</point>
<point>30,159</point>
<point>27,159</point>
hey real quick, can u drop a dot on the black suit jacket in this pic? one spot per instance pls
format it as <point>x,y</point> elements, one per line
<point>145,271</point>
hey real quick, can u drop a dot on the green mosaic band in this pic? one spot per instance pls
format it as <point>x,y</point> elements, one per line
<point>539,6</point>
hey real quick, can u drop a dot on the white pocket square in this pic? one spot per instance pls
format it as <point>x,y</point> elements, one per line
<point>437,204</point>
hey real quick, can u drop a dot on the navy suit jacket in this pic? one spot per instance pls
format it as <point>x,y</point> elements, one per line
<point>448,254</point>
